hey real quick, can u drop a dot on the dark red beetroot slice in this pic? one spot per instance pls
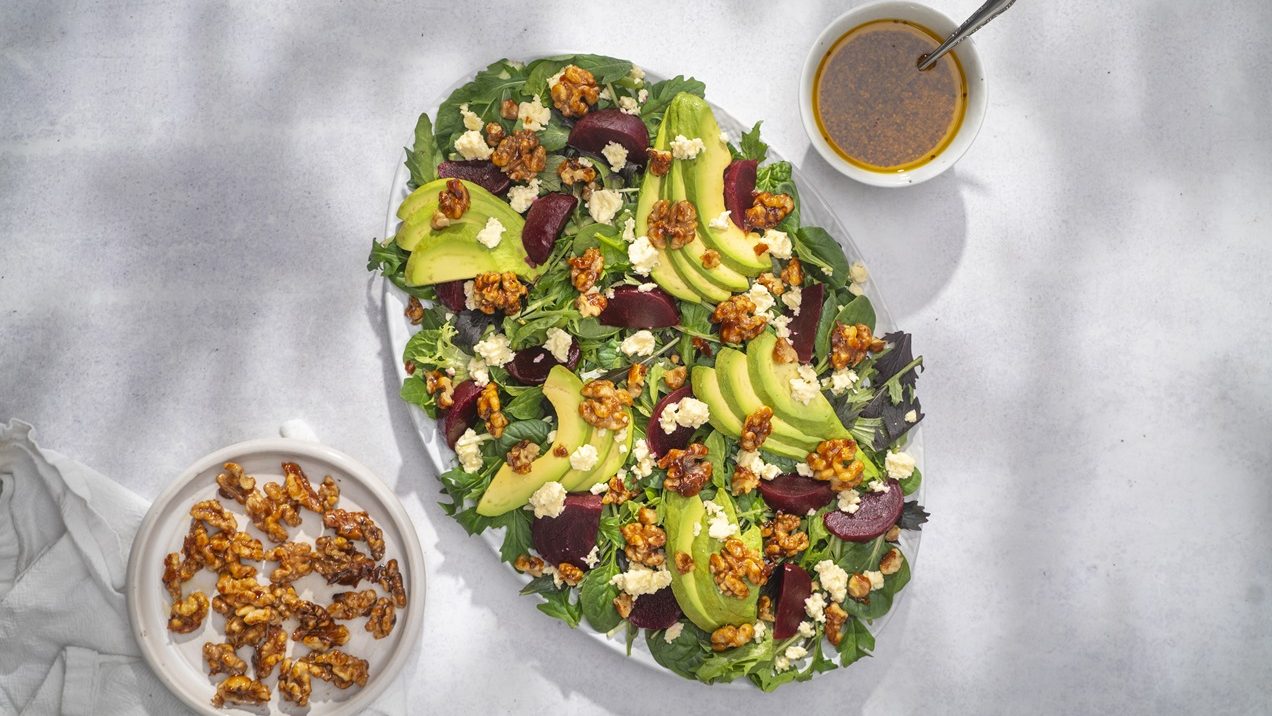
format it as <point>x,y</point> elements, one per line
<point>632,308</point>
<point>451,294</point>
<point>603,126</point>
<point>739,186</point>
<point>660,442</point>
<point>796,494</point>
<point>795,587</point>
<point>478,171</point>
<point>460,416</point>
<point>544,222</point>
<point>531,365</point>
<point>655,611</point>
<point>876,514</point>
<point>804,326</point>
<point>571,535</point>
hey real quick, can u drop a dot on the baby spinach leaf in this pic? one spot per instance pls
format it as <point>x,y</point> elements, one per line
<point>604,69</point>
<point>526,406</point>
<point>751,147</point>
<point>553,137</point>
<point>816,248</point>
<point>559,605</point>
<point>536,431</point>
<point>857,642</point>
<point>696,318</point>
<point>422,158</point>
<point>911,483</point>
<point>858,310</point>
<point>516,541</point>
<point>596,594</point>
<point>415,391</point>
<point>661,94</point>
<point>684,655</point>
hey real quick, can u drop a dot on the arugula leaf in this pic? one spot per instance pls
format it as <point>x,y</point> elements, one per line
<point>486,90</point>
<point>559,605</point>
<point>821,344</point>
<point>661,94</point>
<point>553,138</point>
<point>750,146</point>
<point>684,655</point>
<point>516,541</point>
<point>596,595</point>
<point>816,248</point>
<point>913,516</point>
<point>422,158</point>
<point>856,642</point>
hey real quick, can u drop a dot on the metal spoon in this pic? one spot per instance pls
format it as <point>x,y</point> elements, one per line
<point>990,10</point>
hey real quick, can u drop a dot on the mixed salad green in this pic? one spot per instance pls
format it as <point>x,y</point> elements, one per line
<point>738,495</point>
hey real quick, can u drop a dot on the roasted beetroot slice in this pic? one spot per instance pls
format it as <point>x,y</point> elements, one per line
<point>655,611</point>
<point>796,494</point>
<point>571,535</point>
<point>544,222</point>
<point>531,365</point>
<point>660,442</point>
<point>804,326</point>
<point>478,171</point>
<point>460,416</point>
<point>739,186</point>
<point>599,128</point>
<point>451,294</point>
<point>795,587</point>
<point>632,308</point>
<point>876,514</point>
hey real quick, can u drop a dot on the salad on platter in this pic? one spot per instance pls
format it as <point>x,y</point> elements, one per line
<point>660,384</point>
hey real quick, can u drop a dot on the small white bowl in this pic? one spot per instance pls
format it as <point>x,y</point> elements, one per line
<point>972,71</point>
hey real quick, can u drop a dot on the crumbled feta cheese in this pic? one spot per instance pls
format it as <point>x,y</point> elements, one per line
<point>603,205</point>
<point>628,105</point>
<point>642,95</point>
<point>551,433</point>
<point>640,343</point>
<point>793,299</point>
<point>592,374</point>
<point>856,289</point>
<point>684,148</point>
<point>718,524</point>
<point>494,349</point>
<point>858,273</point>
<point>522,196</point>
<point>629,229</point>
<point>807,630</point>
<point>876,579</point>
<point>468,450</point>
<point>606,94</point>
<point>491,234</point>
<point>554,79</point>
<point>849,501</point>
<point>558,344</point>
<point>470,301</point>
<point>471,121</point>
<point>841,380</point>
<point>642,580</point>
<point>804,385</point>
<point>673,632</point>
<point>616,155</point>
<point>899,465</point>
<point>834,579</point>
<point>599,488</point>
<point>724,136</point>
<point>721,221</point>
<point>548,500</point>
<point>643,255</point>
<point>795,653</point>
<point>646,287</point>
<point>877,486</point>
<point>644,461</point>
<point>533,115</point>
<point>593,557</point>
<point>815,607</point>
<point>471,145</point>
<point>762,299</point>
<point>637,74</point>
<point>912,417</point>
<point>781,663</point>
<point>685,413</point>
<point>760,629</point>
<point>697,529</point>
<point>478,371</point>
<point>584,458</point>
<point>782,324</point>
<point>779,243</point>
<point>753,462</point>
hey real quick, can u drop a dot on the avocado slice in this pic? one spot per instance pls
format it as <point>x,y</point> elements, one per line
<point>681,513</point>
<point>721,608</point>
<point>611,457</point>
<point>706,387</point>
<point>721,279</point>
<point>743,398</point>
<point>508,490</point>
<point>704,182</point>
<point>651,189</point>
<point>772,382</point>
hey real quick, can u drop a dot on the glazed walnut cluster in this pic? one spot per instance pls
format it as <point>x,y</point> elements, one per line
<point>586,269</point>
<point>452,203</point>
<point>659,162</point>
<point>490,410</point>
<point>734,566</point>
<point>521,456</point>
<point>756,429</point>
<point>576,171</point>
<point>494,291</point>
<point>520,155</point>
<point>730,636</point>
<point>440,385</point>
<point>850,343</point>
<point>782,537</point>
<point>687,470</point>
<point>768,210</point>
<point>737,319</point>
<point>836,461</point>
<point>255,612</point>
<point>604,405</point>
<point>575,91</point>
<point>672,225</point>
<point>784,351</point>
<point>645,539</point>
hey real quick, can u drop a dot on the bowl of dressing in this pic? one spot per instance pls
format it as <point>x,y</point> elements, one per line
<point>868,109</point>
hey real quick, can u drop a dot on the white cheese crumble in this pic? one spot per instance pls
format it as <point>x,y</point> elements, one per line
<point>522,196</point>
<point>782,325</point>
<point>591,374</point>
<point>558,344</point>
<point>603,205</point>
<point>468,450</point>
<point>793,299</point>
<point>849,501</point>
<point>628,105</point>
<point>640,343</point>
<point>762,299</point>
<point>548,500</point>
<point>877,486</point>
<point>471,121</point>
<point>554,79</point>
<point>753,462</point>
<point>858,273</point>
<point>491,234</point>
<point>781,663</point>
<point>841,380</point>
<point>779,243</point>
<point>899,465</point>
<point>912,417</point>
<point>629,229</point>
<point>643,256</point>
<point>616,155</point>
<point>697,529</point>
<point>686,413</point>
<point>815,607</point>
<point>834,579</point>
<point>684,148</point>
<point>647,287</point>
<point>606,94</point>
<point>642,580</point>
<point>478,371</point>
<point>470,301</point>
<point>599,488</point>
<point>533,115</point>
<point>795,653</point>
<point>721,221</point>
<point>718,524</point>
<point>673,632</point>
<point>724,136</point>
<point>760,629</point>
<point>804,469</point>
<point>471,145</point>
<point>876,579</point>
<point>551,433</point>
<point>804,386</point>
<point>593,557</point>
<point>584,458</point>
<point>807,630</point>
<point>494,349</point>
<point>637,74</point>
<point>644,461</point>
<point>642,95</point>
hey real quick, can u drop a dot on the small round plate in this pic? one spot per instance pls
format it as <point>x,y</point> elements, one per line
<point>177,659</point>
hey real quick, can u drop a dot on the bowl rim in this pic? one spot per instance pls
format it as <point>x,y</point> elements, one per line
<point>973,71</point>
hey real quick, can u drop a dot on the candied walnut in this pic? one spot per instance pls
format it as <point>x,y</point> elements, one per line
<point>526,564</point>
<point>768,210</point>
<point>687,470</point>
<point>586,270</point>
<point>236,546</point>
<point>659,162</point>
<point>710,258</point>
<point>414,311</point>
<point>576,171</point>
<point>270,651</point>
<point>893,534</point>
<point>188,614</point>
<point>383,616</point>
<point>197,549</point>
<point>784,352</point>
<point>782,536</point>
<point>737,319</point>
<point>488,409</point>
<point>340,562</point>
<point>215,515</point>
<point>774,284</point>
<point>891,562</point>
<point>756,428</point>
<point>793,272</point>
<point>239,689</point>
<point>234,484</point>
<point>508,109</point>
<point>299,489</point>
<point>284,599</point>
<point>702,346</point>
<point>340,669</point>
<point>764,608</point>
<point>351,605</point>
<point>494,291</point>
<point>617,493</point>
<point>269,515</point>
<point>569,574</point>
<point>223,659</point>
<point>730,636</point>
<point>177,572</point>
<point>850,343</point>
<point>590,304</point>
<point>836,617</point>
<point>684,562</point>
<point>293,682</point>
<point>317,630</point>
<point>278,493</point>
<point>295,560</point>
<point>623,604</point>
<point>390,580</point>
<point>238,592</point>
<point>675,378</point>
<point>645,539</point>
<point>743,480</point>
<point>560,450</point>
<point>357,526</point>
<point>438,383</point>
<point>859,587</point>
<point>495,134</point>
<point>603,405</point>
<point>672,225</point>
<point>735,565</point>
<point>521,456</point>
<point>835,460</point>
<point>453,201</point>
<point>575,91</point>
<point>328,493</point>
<point>636,379</point>
<point>520,155</point>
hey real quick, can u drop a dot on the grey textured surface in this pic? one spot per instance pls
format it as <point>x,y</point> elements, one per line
<point>187,193</point>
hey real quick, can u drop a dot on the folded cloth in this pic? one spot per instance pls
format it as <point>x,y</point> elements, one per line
<point>65,642</point>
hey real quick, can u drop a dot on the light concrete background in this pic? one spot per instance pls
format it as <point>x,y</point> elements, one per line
<point>187,194</point>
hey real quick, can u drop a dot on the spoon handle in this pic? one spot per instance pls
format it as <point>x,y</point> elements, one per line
<point>990,10</point>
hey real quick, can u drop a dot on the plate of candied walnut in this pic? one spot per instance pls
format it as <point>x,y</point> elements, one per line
<point>651,370</point>
<point>276,576</point>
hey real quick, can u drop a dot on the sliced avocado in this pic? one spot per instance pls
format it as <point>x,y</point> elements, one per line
<point>721,280</point>
<point>722,608</point>
<point>681,514</point>
<point>612,456</point>
<point>706,387</point>
<point>704,182</point>
<point>743,397</point>
<point>508,490</point>
<point>772,381</point>
<point>651,189</point>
